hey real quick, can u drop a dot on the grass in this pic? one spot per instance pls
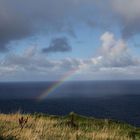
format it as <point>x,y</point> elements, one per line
<point>47,127</point>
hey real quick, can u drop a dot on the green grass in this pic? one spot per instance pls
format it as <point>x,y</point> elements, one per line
<point>48,127</point>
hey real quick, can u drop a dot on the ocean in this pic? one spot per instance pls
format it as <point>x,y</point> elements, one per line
<point>117,100</point>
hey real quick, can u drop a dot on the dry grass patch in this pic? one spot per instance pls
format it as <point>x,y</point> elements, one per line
<point>41,127</point>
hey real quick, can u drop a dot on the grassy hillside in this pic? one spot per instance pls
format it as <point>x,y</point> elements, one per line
<point>71,127</point>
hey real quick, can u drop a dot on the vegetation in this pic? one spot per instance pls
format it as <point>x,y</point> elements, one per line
<point>71,127</point>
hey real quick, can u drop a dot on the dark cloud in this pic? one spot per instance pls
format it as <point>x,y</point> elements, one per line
<point>14,23</point>
<point>58,45</point>
<point>22,19</point>
<point>131,29</point>
<point>13,31</point>
<point>125,15</point>
<point>128,16</point>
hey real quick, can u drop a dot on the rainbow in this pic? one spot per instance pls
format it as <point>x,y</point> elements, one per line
<point>55,85</point>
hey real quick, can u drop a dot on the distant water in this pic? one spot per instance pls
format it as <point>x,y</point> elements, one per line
<point>119,100</point>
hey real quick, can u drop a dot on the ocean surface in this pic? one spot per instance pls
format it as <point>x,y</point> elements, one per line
<point>118,100</point>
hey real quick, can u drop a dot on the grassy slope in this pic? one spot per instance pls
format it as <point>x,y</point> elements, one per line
<point>45,127</point>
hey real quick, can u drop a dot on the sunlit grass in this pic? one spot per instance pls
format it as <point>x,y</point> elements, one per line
<point>45,127</point>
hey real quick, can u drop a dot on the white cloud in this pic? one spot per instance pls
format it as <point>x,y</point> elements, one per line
<point>115,53</point>
<point>113,61</point>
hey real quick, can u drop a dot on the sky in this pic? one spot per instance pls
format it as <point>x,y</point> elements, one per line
<point>43,40</point>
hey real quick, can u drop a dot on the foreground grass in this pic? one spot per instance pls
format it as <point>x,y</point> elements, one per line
<point>45,127</point>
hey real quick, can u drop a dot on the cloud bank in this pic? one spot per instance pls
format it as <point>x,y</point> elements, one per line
<point>23,19</point>
<point>112,59</point>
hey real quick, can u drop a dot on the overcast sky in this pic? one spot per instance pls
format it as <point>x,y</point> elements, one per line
<point>43,40</point>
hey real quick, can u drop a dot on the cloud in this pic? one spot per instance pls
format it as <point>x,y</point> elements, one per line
<point>58,45</point>
<point>127,9</point>
<point>114,53</point>
<point>112,61</point>
<point>14,24</point>
<point>128,14</point>
<point>22,19</point>
<point>123,14</point>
